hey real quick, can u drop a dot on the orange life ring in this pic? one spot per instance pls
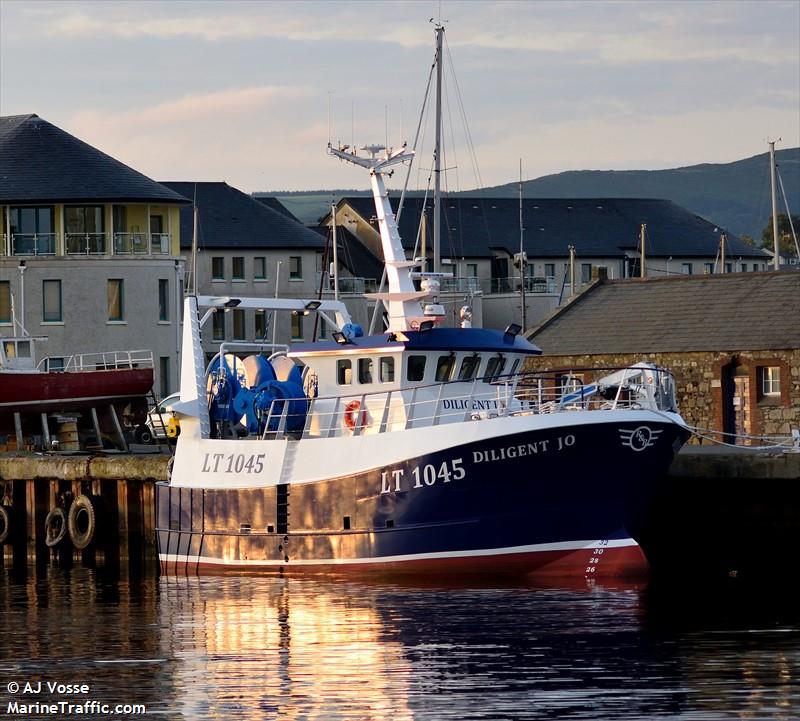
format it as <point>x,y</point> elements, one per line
<point>351,414</point>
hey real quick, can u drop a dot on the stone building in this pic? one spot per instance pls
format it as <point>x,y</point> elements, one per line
<point>732,341</point>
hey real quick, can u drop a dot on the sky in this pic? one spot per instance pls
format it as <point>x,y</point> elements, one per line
<point>251,92</point>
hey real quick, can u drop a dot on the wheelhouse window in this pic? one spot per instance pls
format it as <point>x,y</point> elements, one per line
<point>494,367</point>
<point>415,370</point>
<point>344,372</point>
<point>365,370</point>
<point>51,301</point>
<point>218,268</point>
<point>259,268</point>
<point>469,367</point>
<point>387,370</point>
<point>5,301</point>
<point>116,299</point>
<point>445,366</point>
<point>770,381</point>
<point>295,267</point>
<point>238,268</point>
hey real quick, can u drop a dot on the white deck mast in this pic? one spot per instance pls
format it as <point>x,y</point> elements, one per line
<point>402,300</point>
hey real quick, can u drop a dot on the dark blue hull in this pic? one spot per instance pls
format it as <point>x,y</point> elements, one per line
<point>558,501</point>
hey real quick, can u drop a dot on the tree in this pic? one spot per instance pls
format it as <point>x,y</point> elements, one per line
<point>785,240</point>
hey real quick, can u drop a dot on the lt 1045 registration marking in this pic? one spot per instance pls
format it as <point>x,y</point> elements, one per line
<point>427,475</point>
<point>233,463</point>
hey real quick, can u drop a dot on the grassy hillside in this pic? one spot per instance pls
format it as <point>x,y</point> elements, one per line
<point>735,196</point>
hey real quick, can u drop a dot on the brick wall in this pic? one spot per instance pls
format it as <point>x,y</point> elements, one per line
<point>700,378</point>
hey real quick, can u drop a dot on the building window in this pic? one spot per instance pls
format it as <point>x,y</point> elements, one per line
<point>550,270</point>
<point>297,326</point>
<point>387,370</point>
<point>295,267</point>
<point>586,272</point>
<point>344,372</point>
<point>729,267</point>
<point>218,326</point>
<point>365,370</point>
<point>238,268</point>
<point>238,324</point>
<point>708,268</point>
<point>686,268</point>
<point>472,270</point>
<point>54,363</point>
<point>217,268</point>
<point>261,325</point>
<point>259,268</point>
<point>32,231</point>
<point>744,267</point>
<point>85,229</point>
<point>163,372</point>
<point>770,381</point>
<point>116,299</point>
<point>5,301</point>
<point>51,301</point>
<point>163,299</point>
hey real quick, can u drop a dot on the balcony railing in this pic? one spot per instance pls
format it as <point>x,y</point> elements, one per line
<point>33,244</point>
<point>533,284</point>
<point>131,244</point>
<point>46,244</point>
<point>86,243</point>
<point>460,285</point>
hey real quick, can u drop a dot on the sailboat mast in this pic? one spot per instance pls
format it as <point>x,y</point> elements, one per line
<point>437,155</point>
<point>776,247</point>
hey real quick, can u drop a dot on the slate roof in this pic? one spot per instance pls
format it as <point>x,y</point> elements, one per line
<point>735,311</point>
<point>272,202</point>
<point>229,218</point>
<point>40,163</point>
<point>597,227</point>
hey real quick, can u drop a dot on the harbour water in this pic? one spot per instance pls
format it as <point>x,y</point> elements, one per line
<point>283,648</point>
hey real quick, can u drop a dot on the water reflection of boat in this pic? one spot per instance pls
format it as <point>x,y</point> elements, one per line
<point>423,449</point>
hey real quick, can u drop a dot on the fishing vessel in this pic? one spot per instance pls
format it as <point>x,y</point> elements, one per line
<point>421,449</point>
<point>32,388</point>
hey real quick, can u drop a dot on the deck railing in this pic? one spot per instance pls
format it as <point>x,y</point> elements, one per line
<point>477,399</point>
<point>104,360</point>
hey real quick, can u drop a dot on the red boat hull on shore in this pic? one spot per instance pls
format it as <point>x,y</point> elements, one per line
<point>57,391</point>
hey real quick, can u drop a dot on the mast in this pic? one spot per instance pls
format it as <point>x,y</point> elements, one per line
<point>776,261</point>
<point>522,258</point>
<point>194,250</point>
<point>642,270</point>
<point>335,254</point>
<point>437,166</point>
